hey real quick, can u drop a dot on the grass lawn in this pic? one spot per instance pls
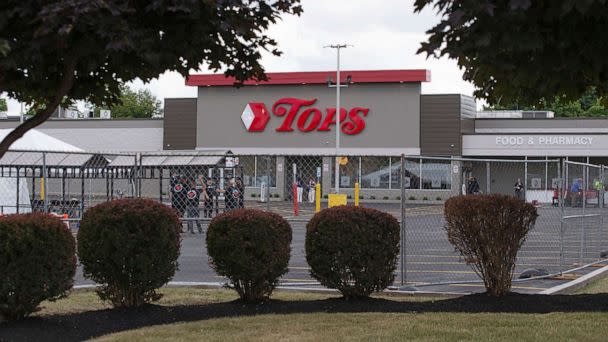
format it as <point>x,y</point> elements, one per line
<point>186,314</point>
<point>598,286</point>
<point>381,326</point>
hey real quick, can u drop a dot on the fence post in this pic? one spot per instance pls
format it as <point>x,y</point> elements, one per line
<point>488,178</point>
<point>43,184</point>
<point>583,237</point>
<point>600,205</point>
<point>526,179</point>
<point>17,191</point>
<point>268,172</point>
<point>403,230</point>
<point>560,189</point>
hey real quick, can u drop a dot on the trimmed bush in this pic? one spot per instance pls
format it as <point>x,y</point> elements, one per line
<point>251,248</point>
<point>438,198</point>
<point>489,230</point>
<point>130,247</point>
<point>411,198</point>
<point>37,262</point>
<point>353,249</point>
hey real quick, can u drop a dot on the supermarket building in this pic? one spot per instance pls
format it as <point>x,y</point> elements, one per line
<point>289,121</point>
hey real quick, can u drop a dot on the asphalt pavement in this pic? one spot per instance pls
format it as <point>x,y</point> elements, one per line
<point>431,262</point>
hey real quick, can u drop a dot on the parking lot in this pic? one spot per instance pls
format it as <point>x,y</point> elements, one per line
<point>431,262</point>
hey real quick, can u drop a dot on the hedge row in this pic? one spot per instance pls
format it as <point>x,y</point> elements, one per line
<point>131,246</point>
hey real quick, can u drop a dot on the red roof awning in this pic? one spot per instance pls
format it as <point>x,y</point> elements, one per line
<point>316,77</point>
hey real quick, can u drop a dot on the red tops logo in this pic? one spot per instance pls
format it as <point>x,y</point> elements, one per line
<point>255,117</point>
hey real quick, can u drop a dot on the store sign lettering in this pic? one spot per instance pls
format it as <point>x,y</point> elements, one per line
<point>543,140</point>
<point>301,115</point>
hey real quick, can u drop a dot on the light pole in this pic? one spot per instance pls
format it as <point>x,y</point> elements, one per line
<point>338,121</point>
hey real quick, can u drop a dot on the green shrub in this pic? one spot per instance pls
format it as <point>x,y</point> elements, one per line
<point>353,249</point>
<point>372,197</point>
<point>438,198</point>
<point>37,262</point>
<point>325,196</point>
<point>425,198</point>
<point>254,195</point>
<point>349,196</point>
<point>130,247</point>
<point>398,198</point>
<point>489,230</point>
<point>251,248</point>
<point>360,197</point>
<point>276,196</point>
<point>411,198</point>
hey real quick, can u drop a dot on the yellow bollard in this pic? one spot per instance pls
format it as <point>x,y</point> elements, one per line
<point>356,194</point>
<point>42,188</point>
<point>317,197</point>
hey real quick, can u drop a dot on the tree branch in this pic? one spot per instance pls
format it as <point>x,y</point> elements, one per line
<point>64,87</point>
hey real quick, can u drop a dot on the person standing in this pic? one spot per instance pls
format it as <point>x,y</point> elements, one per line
<point>178,194</point>
<point>240,200</point>
<point>312,188</point>
<point>231,195</point>
<point>519,189</point>
<point>473,186</point>
<point>598,185</point>
<point>575,190</point>
<point>193,196</point>
<point>299,189</point>
<point>209,198</point>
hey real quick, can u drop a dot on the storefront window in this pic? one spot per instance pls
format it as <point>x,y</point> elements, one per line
<point>375,172</point>
<point>349,172</point>
<point>248,165</point>
<point>412,174</point>
<point>266,167</point>
<point>536,174</point>
<point>436,174</point>
<point>395,172</point>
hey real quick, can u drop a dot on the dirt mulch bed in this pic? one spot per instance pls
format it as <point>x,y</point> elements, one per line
<point>85,325</point>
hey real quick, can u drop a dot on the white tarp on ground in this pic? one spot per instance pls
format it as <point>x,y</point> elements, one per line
<point>33,140</point>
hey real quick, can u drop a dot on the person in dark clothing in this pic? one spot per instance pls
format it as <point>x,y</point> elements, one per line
<point>178,194</point>
<point>231,195</point>
<point>211,194</point>
<point>240,200</point>
<point>519,189</point>
<point>473,186</point>
<point>193,196</point>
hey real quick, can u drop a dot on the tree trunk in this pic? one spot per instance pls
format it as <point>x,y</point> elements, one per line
<point>41,116</point>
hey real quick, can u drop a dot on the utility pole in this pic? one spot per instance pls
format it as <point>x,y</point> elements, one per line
<point>338,121</point>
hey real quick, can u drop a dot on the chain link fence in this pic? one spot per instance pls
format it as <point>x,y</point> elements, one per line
<point>570,197</point>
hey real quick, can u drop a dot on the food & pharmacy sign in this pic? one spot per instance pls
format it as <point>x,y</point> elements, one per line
<point>510,140</point>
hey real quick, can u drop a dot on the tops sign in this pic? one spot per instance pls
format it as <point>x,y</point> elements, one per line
<point>306,118</point>
<point>544,140</point>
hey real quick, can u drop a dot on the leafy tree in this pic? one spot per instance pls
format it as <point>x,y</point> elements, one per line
<point>589,105</point>
<point>523,50</point>
<point>134,104</point>
<point>3,106</point>
<point>67,50</point>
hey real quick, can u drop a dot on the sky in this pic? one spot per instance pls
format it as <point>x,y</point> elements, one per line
<point>385,35</point>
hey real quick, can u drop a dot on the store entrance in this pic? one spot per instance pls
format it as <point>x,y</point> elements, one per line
<point>307,172</point>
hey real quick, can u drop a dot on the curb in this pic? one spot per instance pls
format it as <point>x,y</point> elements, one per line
<point>576,283</point>
<point>213,285</point>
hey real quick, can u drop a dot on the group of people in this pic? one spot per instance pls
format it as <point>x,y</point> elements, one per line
<point>472,188</point>
<point>310,189</point>
<point>187,193</point>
